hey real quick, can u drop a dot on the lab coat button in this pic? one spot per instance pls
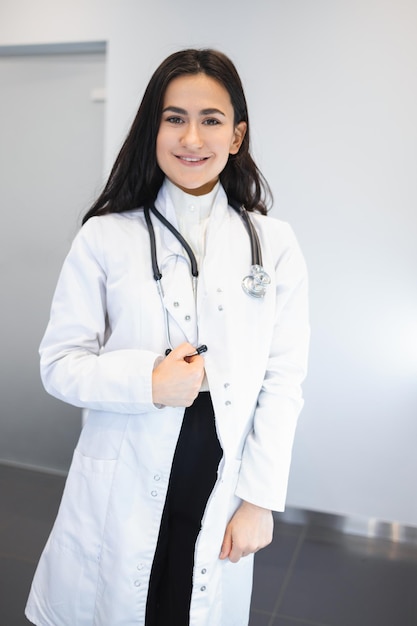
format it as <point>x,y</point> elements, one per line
<point>226,385</point>
<point>157,477</point>
<point>187,318</point>
<point>140,566</point>
<point>154,493</point>
<point>228,403</point>
<point>176,304</point>
<point>203,571</point>
<point>220,307</point>
<point>137,583</point>
<point>203,588</point>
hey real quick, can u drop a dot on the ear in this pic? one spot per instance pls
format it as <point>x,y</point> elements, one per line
<point>238,136</point>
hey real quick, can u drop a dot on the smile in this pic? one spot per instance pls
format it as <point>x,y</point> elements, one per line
<point>188,159</point>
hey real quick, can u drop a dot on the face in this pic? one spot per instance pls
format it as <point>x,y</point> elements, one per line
<point>197,132</point>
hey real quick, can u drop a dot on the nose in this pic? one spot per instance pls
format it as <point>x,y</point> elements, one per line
<point>191,137</point>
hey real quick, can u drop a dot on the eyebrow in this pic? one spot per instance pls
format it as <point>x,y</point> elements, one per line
<point>184,112</point>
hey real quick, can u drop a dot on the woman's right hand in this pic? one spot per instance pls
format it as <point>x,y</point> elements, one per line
<point>177,379</point>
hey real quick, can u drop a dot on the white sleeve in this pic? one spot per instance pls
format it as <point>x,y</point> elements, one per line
<point>74,366</point>
<point>266,459</point>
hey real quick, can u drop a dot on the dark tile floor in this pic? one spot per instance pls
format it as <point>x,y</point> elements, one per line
<point>309,576</point>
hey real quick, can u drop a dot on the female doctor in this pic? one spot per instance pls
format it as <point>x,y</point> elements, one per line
<point>179,323</point>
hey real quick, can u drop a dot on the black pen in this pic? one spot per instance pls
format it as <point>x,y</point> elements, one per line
<point>199,350</point>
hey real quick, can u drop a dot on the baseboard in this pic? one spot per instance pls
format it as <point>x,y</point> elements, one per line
<point>364,527</point>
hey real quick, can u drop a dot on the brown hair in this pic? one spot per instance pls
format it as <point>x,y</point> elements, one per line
<point>136,177</point>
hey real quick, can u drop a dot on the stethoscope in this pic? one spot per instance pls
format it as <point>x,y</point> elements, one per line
<point>254,284</point>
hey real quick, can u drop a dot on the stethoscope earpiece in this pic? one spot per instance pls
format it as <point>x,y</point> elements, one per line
<point>256,282</point>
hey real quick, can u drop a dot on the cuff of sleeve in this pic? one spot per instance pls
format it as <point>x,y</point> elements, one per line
<point>266,494</point>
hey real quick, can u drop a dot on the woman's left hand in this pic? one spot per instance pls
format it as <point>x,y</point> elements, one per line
<point>249,530</point>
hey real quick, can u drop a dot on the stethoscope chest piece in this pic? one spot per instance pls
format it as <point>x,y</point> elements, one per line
<point>256,282</point>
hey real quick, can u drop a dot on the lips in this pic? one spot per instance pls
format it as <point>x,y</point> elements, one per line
<point>191,159</point>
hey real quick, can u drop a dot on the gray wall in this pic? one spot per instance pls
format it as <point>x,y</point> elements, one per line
<point>332,93</point>
<point>50,166</point>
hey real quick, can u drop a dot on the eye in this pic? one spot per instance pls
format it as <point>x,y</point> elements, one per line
<point>174,119</point>
<point>211,121</point>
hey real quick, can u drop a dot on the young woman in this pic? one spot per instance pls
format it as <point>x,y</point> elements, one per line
<point>187,350</point>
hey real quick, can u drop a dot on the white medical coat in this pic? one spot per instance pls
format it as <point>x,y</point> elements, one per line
<point>105,334</point>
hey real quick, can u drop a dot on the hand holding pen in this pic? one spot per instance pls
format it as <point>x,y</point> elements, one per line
<point>176,380</point>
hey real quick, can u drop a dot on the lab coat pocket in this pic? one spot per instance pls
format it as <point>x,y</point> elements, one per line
<point>82,515</point>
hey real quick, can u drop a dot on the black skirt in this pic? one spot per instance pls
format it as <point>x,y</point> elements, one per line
<point>193,475</point>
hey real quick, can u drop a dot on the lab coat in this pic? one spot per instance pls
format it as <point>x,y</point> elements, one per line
<point>105,335</point>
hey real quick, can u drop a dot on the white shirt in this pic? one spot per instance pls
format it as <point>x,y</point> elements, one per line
<point>193,213</point>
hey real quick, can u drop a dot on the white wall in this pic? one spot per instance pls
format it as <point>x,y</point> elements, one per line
<point>51,160</point>
<point>24,22</point>
<point>346,175</point>
<point>332,93</point>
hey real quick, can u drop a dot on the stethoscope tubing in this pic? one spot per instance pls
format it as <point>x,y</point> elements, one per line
<point>254,284</point>
<point>155,268</point>
<point>256,254</point>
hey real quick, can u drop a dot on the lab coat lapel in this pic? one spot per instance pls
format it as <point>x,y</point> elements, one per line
<point>176,280</point>
<point>215,322</point>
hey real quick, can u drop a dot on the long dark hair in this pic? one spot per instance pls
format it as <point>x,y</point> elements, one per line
<point>136,177</point>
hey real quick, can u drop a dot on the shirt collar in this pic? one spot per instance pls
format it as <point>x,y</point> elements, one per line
<point>190,209</point>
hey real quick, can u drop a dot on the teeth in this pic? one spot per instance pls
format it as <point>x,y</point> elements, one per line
<point>191,159</point>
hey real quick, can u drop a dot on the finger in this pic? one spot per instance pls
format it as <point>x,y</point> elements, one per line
<point>235,554</point>
<point>183,353</point>
<point>194,358</point>
<point>180,352</point>
<point>226,545</point>
<point>200,350</point>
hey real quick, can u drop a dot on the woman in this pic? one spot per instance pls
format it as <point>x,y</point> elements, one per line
<point>191,383</point>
